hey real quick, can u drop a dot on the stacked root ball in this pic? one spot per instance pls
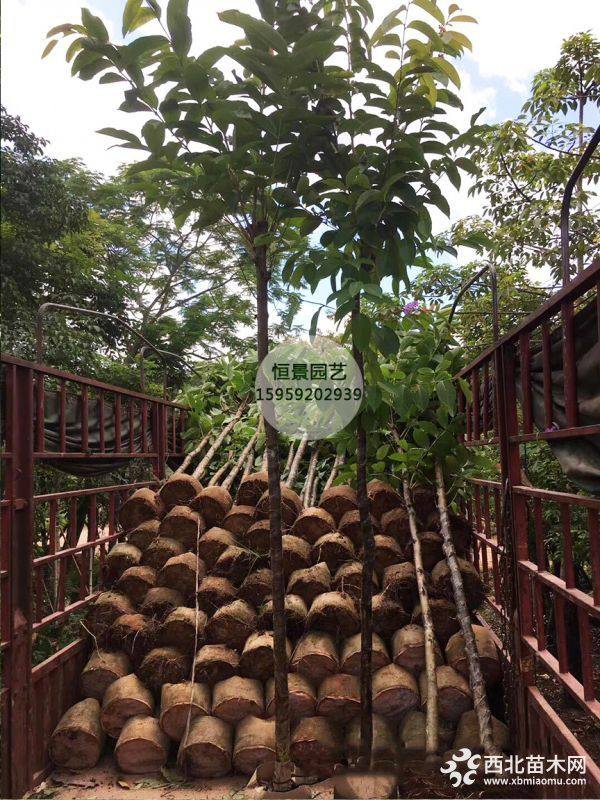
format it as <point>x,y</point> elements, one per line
<point>184,657</point>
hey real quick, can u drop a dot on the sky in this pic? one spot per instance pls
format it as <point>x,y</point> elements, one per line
<point>512,40</point>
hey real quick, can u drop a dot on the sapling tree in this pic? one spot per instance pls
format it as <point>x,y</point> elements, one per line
<point>377,166</point>
<point>232,148</point>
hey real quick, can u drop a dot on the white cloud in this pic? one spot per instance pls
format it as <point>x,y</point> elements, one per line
<point>515,38</point>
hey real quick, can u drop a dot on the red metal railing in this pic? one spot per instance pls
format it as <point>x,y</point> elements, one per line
<point>53,544</point>
<point>557,605</point>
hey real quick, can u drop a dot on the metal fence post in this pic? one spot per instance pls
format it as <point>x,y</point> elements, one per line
<point>20,493</point>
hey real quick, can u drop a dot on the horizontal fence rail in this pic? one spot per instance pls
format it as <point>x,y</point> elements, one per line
<point>54,542</point>
<point>533,389</point>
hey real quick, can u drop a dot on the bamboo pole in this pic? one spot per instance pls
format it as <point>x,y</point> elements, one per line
<point>201,468</point>
<point>293,473</point>
<point>480,702</point>
<point>191,455</point>
<point>432,722</point>
<point>245,456</point>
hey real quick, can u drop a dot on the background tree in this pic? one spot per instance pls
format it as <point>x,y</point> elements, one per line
<point>526,162</point>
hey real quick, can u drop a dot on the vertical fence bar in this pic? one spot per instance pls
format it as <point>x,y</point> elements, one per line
<point>85,432</point>
<point>525,357</point>
<point>476,404</point>
<point>101,433</point>
<point>117,422</point>
<point>594,533</point>
<point>62,424</point>
<point>567,536</point>
<point>569,366</point>
<point>20,491</point>
<point>40,413</point>
<point>547,375</point>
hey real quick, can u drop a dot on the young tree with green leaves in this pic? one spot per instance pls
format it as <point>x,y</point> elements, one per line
<point>233,150</point>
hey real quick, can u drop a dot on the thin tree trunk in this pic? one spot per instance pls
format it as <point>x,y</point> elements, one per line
<point>219,473</point>
<point>190,456</point>
<point>312,500</point>
<point>282,776</point>
<point>366,604</point>
<point>310,476</point>
<point>290,458</point>
<point>432,723</point>
<point>480,702</point>
<point>249,465</point>
<point>338,461</point>
<point>201,468</point>
<point>580,181</point>
<point>291,478</point>
<point>246,452</point>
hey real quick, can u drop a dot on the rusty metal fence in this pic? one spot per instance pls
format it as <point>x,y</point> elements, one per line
<point>53,545</point>
<point>553,622</point>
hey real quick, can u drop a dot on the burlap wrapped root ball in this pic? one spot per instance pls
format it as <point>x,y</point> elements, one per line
<point>134,634</point>
<point>183,628</point>
<point>412,733</point>
<point>145,533</point>
<point>254,744</point>
<point>316,746</point>
<point>338,500</point>
<point>215,592</point>
<point>213,503</point>
<point>183,525</point>
<point>239,519</point>
<point>143,505</point>
<point>472,583</point>
<point>179,490</point>
<point>315,656</point>
<point>160,551</point>
<point>384,750</point>
<point>351,654</point>
<point>206,752</point>
<point>489,659</point>
<point>252,487</point>
<point>182,573</point>
<point>102,669</point>
<point>142,746</point>
<point>388,614</point>
<point>296,613</point>
<point>125,698</point>
<point>257,656</point>
<point>104,611</point>
<point>180,702</point>
<point>215,663</point>
<point>334,613</point>
<point>348,578</point>
<point>382,498</point>
<point>339,698</point>
<point>312,523</point>
<point>136,582</point>
<point>309,583</point>
<point>120,557</point>
<point>350,525</point>
<point>302,694</point>
<point>231,624</point>
<point>395,692</point>
<point>78,739</point>
<point>236,698</point>
<point>291,505</point>
<point>454,693</point>
<point>408,647</point>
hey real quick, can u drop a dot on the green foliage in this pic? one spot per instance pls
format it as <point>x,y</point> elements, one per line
<point>526,163</point>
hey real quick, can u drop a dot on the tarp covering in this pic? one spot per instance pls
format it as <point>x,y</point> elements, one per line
<point>579,456</point>
<point>93,465</point>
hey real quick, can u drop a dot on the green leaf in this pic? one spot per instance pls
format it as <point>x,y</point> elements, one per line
<point>431,7</point>
<point>370,196</point>
<point>179,26</point>
<point>387,24</point>
<point>464,18</point>
<point>117,133</point>
<point>65,28</point>
<point>153,132</point>
<point>111,77</point>
<point>314,322</point>
<point>49,47</point>
<point>361,331</point>
<point>258,32</point>
<point>448,69</point>
<point>94,25</point>
<point>130,12</point>
<point>421,438</point>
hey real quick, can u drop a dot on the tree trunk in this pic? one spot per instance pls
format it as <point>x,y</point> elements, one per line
<point>291,478</point>
<point>580,181</point>
<point>366,604</point>
<point>431,725</point>
<point>245,454</point>
<point>283,765</point>
<point>310,477</point>
<point>214,481</point>
<point>201,468</point>
<point>338,461</point>
<point>477,683</point>
<point>191,455</point>
<point>290,458</point>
